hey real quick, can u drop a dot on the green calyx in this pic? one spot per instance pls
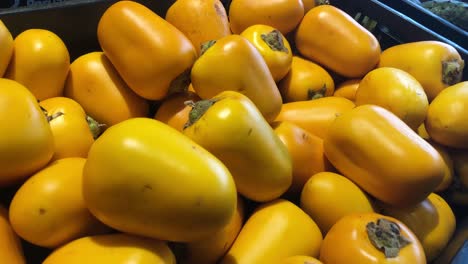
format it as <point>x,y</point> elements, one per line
<point>95,127</point>
<point>198,109</point>
<point>452,71</point>
<point>206,45</point>
<point>274,40</point>
<point>385,236</point>
<point>316,94</point>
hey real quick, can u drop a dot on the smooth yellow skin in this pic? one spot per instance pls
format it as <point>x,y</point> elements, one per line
<point>306,151</point>
<point>40,62</point>
<point>448,167</point>
<point>146,50</point>
<point>199,20</point>
<point>447,121</point>
<point>6,49</point>
<point>315,116</point>
<point>347,89</point>
<point>301,260</point>
<point>284,15</point>
<point>382,155</point>
<point>278,62</point>
<point>347,242</point>
<point>263,237</point>
<point>72,135</point>
<point>396,91</point>
<point>332,38</point>
<point>97,86</point>
<point>27,142</point>
<point>48,210</point>
<point>309,4</point>
<point>210,249</point>
<point>328,196</point>
<point>422,132</point>
<point>113,248</point>
<point>234,64</point>
<point>146,178</point>
<point>432,221</point>
<point>305,77</point>
<point>234,131</point>
<point>11,249</point>
<point>423,60</point>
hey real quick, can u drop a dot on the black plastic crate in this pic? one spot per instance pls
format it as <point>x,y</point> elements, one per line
<point>394,27</point>
<point>426,18</point>
<point>4,4</point>
<point>75,21</point>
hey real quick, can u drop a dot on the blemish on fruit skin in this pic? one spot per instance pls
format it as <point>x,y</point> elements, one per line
<point>249,132</point>
<point>42,211</point>
<point>147,187</point>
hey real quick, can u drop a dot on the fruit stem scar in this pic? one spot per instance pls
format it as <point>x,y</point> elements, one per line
<point>385,236</point>
<point>198,109</point>
<point>274,40</point>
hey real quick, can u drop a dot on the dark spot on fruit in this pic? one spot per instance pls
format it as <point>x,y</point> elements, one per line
<point>249,132</point>
<point>42,211</point>
<point>147,187</point>
<point>304,136</point>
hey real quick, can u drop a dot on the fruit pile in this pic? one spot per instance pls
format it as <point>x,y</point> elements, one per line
<point>262,132</point>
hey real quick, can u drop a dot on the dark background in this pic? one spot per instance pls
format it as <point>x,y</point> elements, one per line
<point>19,3</point>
